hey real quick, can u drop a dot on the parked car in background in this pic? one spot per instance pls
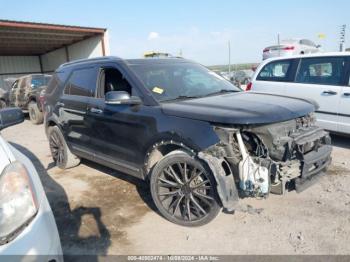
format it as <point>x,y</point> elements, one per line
<point>198,139</point>
<point>241,77</point>
<point>27,225</point>
<point>291,47</point>
<point>5,91</point>
<point>321,77</point>
<point>26,92</point>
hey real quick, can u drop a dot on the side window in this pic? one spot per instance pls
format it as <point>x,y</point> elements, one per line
<point>307,42</point>
<point>82,82</point>
<point>321,70</point>
<point>57,80</point>
<point>275,71</point>
<point>111,79</point>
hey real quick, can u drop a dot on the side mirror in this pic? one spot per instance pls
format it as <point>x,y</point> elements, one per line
<point>121,98</point>
<point>10,117</point>
<point>318,46</point>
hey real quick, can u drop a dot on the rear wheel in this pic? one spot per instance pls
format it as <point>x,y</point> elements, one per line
<point>35,115</point>
<point>61,154</point>
<point>184,191</point>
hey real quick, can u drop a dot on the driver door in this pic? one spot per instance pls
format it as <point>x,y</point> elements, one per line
<point>116,131</point>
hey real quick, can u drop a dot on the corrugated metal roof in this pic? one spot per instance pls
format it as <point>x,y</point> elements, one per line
<point>28,38</point>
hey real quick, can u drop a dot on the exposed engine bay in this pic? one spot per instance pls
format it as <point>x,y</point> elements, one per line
<point>273,158</point>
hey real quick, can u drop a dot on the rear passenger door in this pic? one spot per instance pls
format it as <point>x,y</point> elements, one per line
<point>80,86</point>
<point>273,76</point>
<point>321,79</point>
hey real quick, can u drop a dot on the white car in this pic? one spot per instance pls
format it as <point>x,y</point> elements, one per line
<point>291,47</point>
<point>322,77</point>
<point>27,225</point>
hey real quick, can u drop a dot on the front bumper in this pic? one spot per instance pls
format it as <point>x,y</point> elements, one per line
<point>313,165</point>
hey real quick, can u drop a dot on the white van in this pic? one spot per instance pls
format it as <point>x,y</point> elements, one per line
<point>322,77</point>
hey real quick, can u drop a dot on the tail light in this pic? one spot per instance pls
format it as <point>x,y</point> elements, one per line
<point>289,48</point>
<point>249,86</point>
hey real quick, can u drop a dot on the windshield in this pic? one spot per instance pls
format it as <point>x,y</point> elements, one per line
<point>181,81</point>
<point>38,81</point>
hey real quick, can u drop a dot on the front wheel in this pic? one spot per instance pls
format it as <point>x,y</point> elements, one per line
<point>184,191</point>
<point>61,154</point>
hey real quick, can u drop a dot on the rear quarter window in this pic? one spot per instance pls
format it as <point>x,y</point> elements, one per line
<point>57,81</point>
<point>82,82</point>
<point>321,71</point>
<point>276,71</point>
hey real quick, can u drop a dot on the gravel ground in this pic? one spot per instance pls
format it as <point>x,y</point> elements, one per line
<point>101,211</point>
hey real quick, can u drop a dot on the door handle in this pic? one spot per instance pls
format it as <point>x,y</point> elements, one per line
<point>329,92</point>
<point>347,94</point>
<point>96,110</point>
<point>60,104</point>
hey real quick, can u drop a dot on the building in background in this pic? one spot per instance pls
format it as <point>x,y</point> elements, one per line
<point>31,48</point>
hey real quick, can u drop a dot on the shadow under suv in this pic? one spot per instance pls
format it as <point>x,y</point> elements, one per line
<point>200,141</point>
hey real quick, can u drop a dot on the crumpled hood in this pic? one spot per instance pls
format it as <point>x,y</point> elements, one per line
<point>241,108</point>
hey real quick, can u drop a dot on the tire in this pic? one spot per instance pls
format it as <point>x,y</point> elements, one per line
<point>189,200</point>
<point>2,104</point>
<point>35,115</point>
<point>61,154</point>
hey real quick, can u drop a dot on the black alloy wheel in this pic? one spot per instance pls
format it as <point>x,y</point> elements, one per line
<point>184,191</point>
<point>57,148</point>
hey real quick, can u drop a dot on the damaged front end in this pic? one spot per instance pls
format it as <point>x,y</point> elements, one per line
<point>256,160</point>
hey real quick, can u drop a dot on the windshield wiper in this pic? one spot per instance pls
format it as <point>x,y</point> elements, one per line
<point>223,91</point>
<point>181,97</point>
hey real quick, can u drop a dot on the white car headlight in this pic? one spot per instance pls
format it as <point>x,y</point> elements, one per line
<point>18,204</point>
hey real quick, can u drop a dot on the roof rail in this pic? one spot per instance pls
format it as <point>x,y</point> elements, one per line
<point>102,58</point>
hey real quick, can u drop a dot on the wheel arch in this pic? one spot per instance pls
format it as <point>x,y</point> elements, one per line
<point>163,147</point>
<point>50,123</point>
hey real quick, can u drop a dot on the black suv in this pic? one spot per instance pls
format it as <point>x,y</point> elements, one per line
<point>26,93</point>
<point>200,141</point>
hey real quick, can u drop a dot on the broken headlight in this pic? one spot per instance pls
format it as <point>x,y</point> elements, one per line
<point>18,204</point>
<point>306,121</point>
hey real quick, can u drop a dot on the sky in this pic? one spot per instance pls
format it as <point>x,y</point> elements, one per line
<point>197,29</point>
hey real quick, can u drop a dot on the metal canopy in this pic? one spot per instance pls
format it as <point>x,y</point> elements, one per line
<point>26,38</point>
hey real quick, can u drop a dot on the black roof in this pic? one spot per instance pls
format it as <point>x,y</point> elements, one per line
<point>90,60</point>
<point>145,61</point>
<point>141,61</point>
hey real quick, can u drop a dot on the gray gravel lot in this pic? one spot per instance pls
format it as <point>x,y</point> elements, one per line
<point>101,211</point>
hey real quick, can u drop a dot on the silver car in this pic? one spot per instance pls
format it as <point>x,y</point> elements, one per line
<point>291,47</point>
<point>27,225</point>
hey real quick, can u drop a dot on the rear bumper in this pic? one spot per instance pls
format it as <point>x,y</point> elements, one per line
<point>313,165</point>
<point>282,53</point>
